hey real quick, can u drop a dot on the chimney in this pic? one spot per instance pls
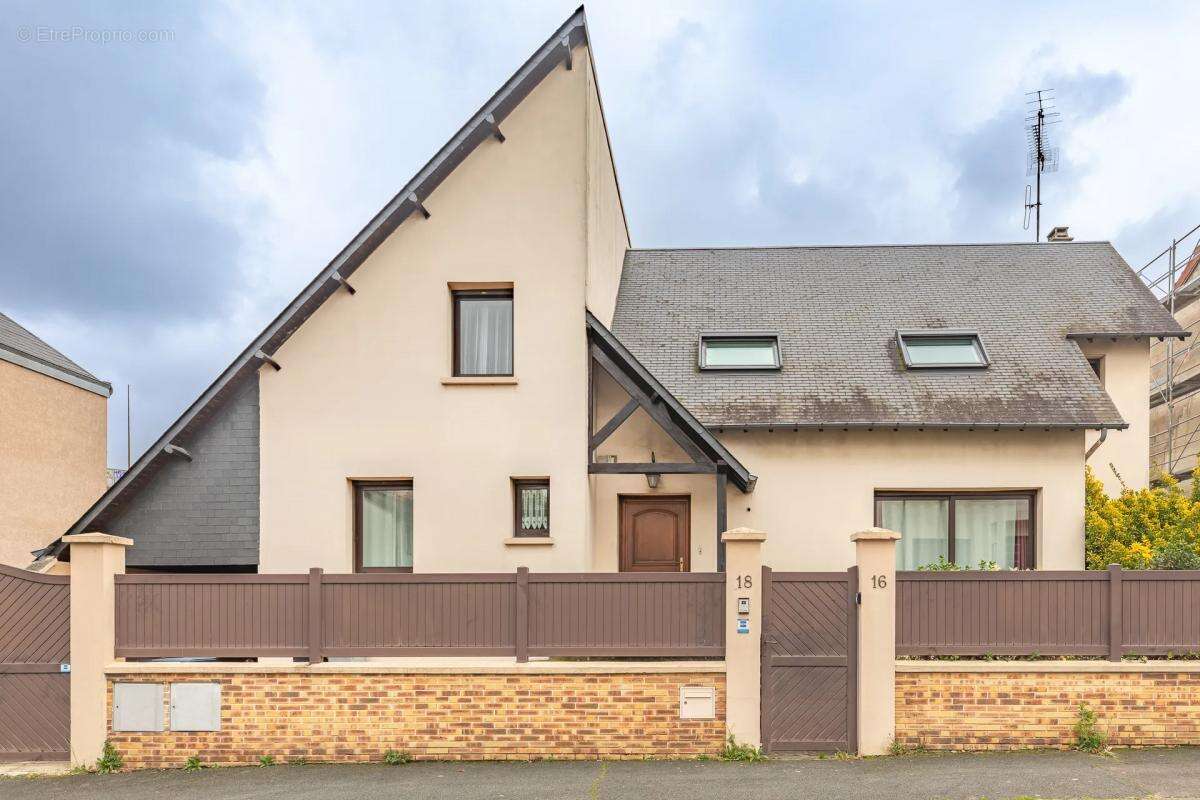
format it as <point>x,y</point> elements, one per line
<point>1059,234</point>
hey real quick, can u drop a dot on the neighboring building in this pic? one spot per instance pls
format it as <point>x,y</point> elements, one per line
<point>53,440</point>
<point>1175,383</point>
<point>489,376</point>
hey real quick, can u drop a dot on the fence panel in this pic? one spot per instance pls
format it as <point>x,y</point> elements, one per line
<point>627,614</point>
<point>385,614</point>
<point>1002,613</point>
<point>170,616</point>
<point>1160,612</point>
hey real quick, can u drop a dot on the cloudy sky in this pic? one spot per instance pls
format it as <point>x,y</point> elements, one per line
<point>173,176</point>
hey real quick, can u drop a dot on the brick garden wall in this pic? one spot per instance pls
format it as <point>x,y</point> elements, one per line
<point>1011,710</point>
<point>357,717</point>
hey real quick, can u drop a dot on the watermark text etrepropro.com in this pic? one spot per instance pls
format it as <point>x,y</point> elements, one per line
<point>48,34</point>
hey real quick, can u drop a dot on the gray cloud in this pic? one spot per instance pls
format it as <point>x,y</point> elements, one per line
<point>105,211</point>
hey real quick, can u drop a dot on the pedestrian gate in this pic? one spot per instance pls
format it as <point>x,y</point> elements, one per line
<point>809,661</point>
<point>35,646</point>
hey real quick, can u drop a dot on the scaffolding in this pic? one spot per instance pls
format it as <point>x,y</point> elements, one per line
<point>1174,277</point>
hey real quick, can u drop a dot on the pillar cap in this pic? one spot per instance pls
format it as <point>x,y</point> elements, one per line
<point>743,535</point>
<point>97,538</point>
<point>875,535</point>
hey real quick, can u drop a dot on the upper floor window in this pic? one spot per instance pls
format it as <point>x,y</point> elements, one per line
<point>483,332</point>
<point>531,498</point>
<point>383,526</point>
<point>941,349</point>
<point>739,351</point>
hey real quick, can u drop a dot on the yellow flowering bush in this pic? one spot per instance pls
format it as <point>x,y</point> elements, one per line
<point>1155,528</point>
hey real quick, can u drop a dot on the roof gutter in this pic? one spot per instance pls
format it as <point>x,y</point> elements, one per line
<point>1093,335</point>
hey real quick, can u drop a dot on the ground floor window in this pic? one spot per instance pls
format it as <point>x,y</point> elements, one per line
<point>961,528</point>
<point>383,526</point>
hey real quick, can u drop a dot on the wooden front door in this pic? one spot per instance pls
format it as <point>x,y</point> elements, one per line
<point>655,534</point>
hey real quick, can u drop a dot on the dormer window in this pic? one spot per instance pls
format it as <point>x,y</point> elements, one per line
<point>942,349</point>
<point>730,351</point>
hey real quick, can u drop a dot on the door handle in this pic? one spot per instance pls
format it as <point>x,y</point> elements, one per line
<point>681,563</point>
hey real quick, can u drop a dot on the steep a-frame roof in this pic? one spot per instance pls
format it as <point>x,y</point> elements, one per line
<point>485,123</point>
<point>20,346</point>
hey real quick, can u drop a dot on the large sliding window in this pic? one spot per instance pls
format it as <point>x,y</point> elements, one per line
<point>483,333</point>
<point>962,528</point>
<point>383,526</point>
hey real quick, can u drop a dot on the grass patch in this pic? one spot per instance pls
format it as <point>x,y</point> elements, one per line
<point>396,757</point>
<point>110,760</point>
<point>898,748</point>
<point>193,764</point>
<point>1088,738</point>
<point>266,761</point>
<point>745,753</point>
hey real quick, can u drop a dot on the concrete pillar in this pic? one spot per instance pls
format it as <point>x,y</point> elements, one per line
<point>875,554</point>
<point>743,633</point>
<point>95,559</point>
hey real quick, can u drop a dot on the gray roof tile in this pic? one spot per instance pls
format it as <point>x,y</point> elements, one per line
<point>837,310</point>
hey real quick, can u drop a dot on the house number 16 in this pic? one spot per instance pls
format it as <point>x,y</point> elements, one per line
<point>879,581</point>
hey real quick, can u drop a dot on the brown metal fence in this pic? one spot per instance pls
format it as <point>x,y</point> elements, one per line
<point>519,614</point>
<point>1112,613</point>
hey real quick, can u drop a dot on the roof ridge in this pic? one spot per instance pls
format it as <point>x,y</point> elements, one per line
<point>859,246</point>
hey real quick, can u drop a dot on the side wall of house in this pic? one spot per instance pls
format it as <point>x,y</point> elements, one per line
<point>1125,372</point>
<point>608,237</point>
<point>816,488</point>
<point>364,391</point>
<point>203,511</point>
<point>53,444</point>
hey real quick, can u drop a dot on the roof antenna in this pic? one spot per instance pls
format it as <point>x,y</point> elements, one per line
<point>1042,156</point>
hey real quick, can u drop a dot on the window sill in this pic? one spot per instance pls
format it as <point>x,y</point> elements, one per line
<point>528,540</point>
<point>497,380</point>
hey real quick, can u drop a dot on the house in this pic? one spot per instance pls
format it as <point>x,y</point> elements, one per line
<point>53,442</point>
<point>489,375</point>
<point>1175,380</point>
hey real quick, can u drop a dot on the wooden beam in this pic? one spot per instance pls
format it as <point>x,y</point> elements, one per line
<point>655,467</point>
<point>614,423</point>
<point>656,411</point>
<point>722,518</point>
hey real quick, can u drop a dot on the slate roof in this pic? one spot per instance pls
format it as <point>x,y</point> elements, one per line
<point>837,310</point>
<point>19,345</point>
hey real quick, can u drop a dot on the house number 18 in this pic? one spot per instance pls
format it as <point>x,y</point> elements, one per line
<point>744,582</point>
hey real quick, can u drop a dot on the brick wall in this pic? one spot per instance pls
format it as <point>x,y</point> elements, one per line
<point>1010,710</point>
<point>357,717</point>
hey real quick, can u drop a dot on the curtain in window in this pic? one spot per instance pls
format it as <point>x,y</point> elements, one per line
<point>991,530</point>
<point>485,336</point>
<point>387,526</point>
<point>535,508</point>
<point>924,528</point>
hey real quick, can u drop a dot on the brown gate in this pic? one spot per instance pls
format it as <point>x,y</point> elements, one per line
<point>809,661</point>
<point>35,646</point>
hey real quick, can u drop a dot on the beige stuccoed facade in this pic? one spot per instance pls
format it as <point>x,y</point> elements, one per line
<point>1125,374</point>
<point>53,437</point>
<point>365,393</point>
<point>814,486</point>
<point>365,390</point>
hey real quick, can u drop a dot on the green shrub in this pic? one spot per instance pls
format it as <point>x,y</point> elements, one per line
<point>266,761</point>
<point>1088,737</point>
<point>741,752</point>
<point>394,757</point>
<point>110,760</point>
<point>1154,528</point>
<point>193,764</point>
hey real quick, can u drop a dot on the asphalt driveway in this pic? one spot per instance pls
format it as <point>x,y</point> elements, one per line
<point>1131,773</point>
